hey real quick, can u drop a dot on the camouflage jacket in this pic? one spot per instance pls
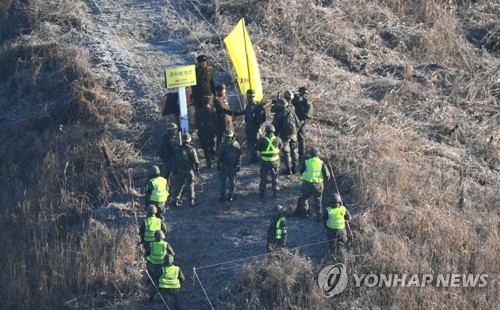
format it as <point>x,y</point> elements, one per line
<point>303,108</point>
<point>286,123</point>
<point>229,154</point>
<point>186,159</point>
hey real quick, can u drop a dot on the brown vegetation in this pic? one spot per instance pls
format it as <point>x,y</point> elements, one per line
<point>408,102</point>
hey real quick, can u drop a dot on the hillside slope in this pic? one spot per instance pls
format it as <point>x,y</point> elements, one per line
<point>406,97</point>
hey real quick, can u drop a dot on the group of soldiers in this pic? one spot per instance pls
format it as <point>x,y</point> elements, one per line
<point>283,140</point>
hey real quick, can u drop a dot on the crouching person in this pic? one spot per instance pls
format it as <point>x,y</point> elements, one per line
<point>170,282</point>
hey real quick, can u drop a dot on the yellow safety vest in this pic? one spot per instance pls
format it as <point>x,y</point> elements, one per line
<point>158,252</point>
<point>279,231</point>
<point>159,193</point>
<point>313,173</point>
<point>170,277</point>
<point>271,153</point>
<point>336,217</point>
<point>151,224</point>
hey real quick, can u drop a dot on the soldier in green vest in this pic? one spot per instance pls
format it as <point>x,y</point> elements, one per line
<point>334,219</point>
<point>186,166</point>
<point>170,282</point>
<point>314,173</point>
<point>149,226</point>
<point>269,148</point>
<point>278,230</point>
<point>157,191</point>
<point>158,249</point>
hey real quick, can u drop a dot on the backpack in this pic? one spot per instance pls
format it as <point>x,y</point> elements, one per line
<point>290,124</point>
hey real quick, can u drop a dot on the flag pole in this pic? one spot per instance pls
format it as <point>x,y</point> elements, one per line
<point>246,53</point>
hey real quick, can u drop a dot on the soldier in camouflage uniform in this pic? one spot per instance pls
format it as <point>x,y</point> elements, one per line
<point>255,116</point>
<point>186,165</point>
<point>229,163</point>
<point>314,173</point>
<point>269,148</point>
<point>304,111</point>
<point>206,118</point>
<point>286,123</point>
<point>169,142</point>
<point>205,83</point>
<point>224,113</point>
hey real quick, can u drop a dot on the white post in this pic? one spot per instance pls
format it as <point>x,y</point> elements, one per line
<point>183,110</point>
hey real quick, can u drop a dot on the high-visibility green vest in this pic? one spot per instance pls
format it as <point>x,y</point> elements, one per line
<point>170,277</point>
<point>151,224</point>
<point>271,153</point>
<point>336,217</point>
<point>279,231</point>
<point>313,173</point>
<point>158,252</point>
<point>159,193</point>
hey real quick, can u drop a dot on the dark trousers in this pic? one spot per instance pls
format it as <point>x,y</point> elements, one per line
<point>338,239</point>
<point>154,272</point>
<point>171,297</point>
<point>184,179</point>
<point>275,244</point>
<point>301,139</point>
<point>207,141</point>
<point>251,133</point>
<point>266,168</point>
<point>226,177</point>
<point>290,157</point>
<point>314,190</point>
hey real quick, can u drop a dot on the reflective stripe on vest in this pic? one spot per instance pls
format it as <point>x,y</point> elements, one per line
<point>170,277</point>
<point>313,172</point>
<point>151,224</point>
<point>159,193</point>
<point>158,252</point>
<point>271,153</point>
<point>279,231</point>
<point>336,217</point>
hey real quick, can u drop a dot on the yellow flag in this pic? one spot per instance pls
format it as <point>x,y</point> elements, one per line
<point>245,64</point>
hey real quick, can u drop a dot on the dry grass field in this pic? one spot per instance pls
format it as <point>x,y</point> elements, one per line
<point>406,96</point>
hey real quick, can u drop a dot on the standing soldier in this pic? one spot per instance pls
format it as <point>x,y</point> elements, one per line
<point>159,248</point>
<point>278,230</point>
<point>186,165</point>
<point>205,82</point>
<point>157,191</point>
<point>269,148</point>
<point>334,219</point>
<point>304,111</point>
<point>206,120</point>
<point>224,113</point>
<point>255,115</point>
<point>149,226</point>
<point>229,163</point>
<point>286,123</point>
<point>314,173</point>
<point>170,282</point>
<point>169,142</point>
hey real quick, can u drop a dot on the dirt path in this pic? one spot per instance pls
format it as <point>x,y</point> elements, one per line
<point>131,39</point>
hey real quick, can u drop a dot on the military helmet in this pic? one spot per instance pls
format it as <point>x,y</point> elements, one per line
<point>336,198</point>
<point>282,103</point>
<point>169,259</point>
<point>155,169</point>
<point>151,209</point>
<point>314,151</point>
<point>270,128</point>
<point>303,90</point>
<point>186,137</point>
<point>288,95</point>
<point>251,93</point>
<point>172,126</point>
<point>159,235</point>
<point>228,133</point>
<point>220,87</point>
<point>278,209</point>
